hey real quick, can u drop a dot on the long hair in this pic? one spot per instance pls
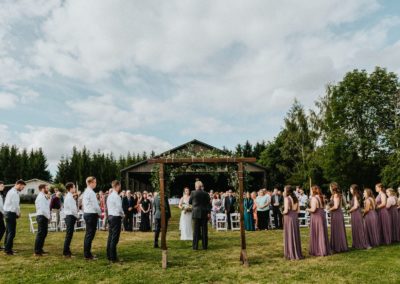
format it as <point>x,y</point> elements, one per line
<point>356,192</point>
<point>290,192</point>
<point>335,189</point>
<point>369,194</point>
<point>316,190</point>
<point>381,187</point>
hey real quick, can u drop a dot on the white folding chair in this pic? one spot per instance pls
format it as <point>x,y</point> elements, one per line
<point>271,220</point>
<point>53,223</point>
<point>63,226</point>
<point>304,219</point>
<point>80,222</point>
<point>32,222</point>
<point>235,221</point>
<point>136,222</point>
<point>221,222</point>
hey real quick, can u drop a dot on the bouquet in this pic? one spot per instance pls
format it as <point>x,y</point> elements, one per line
<point>187,208</point>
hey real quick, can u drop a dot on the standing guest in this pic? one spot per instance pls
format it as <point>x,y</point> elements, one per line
<point>319,243</point>
<point>103,208</point>
<point>42,205</point>
<point>263,201</point>
<point>277,201</point>
<point>303,202</point>
<point>55,205</point>
<point>2,225</point>
<point>12,212</point>
<point>371,219</point>
<point>357,225</point>
<point>229,205</point>
<point>145,208</point>
<point>91,214</point>
<point>292,242</point>
<point>128,205</point>
<point>216,206</point>
<point>254,196</point>
<point>383,215</point>
<point>338,229</point>
<point>71,215</point>
<point>391,205</point>
<point>115,214</point>
<point>157,217</point>
<point>248,212</point>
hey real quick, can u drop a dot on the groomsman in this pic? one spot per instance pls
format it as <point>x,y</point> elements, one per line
<point>71,215</point>
<point>157,216</point>
<point>42,217</point>
<point>12,212</point>
<point>91,214</point>
<point>2,225</point>
<point>115,215</point>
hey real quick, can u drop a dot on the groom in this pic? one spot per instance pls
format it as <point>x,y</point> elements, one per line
<point>201,208</point>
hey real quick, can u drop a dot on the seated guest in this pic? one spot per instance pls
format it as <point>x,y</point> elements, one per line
<point>248,212</point>
<point>338,229</point>
<point>371,220</point>
<point>391,205</point>
<point>230,202</point>
<point>42,205</point>
<point>115,214</point>
<point>145,208</point>
<point>157,216</point>
<point>71,215</point>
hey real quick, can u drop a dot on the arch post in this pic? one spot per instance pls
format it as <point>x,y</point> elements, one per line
<point>163,219</point>
<point>243,252</point>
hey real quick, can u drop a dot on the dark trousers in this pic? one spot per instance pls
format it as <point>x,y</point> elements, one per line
<point>2,226</point>
<point>11,225</point>
<point>277,217</point>
<point>114,231</point>
<point>70,221</point>
<point>263,219</point>
<point>128,221</point>
<point>43,226</point>
<point>228,216</point>
<point>157,229</point>
<point>91,227</point>
<point>200,230</point>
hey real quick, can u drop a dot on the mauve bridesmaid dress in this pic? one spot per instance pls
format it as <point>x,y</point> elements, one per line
<point>385,223</point>
<point>291,230</point>
<point>357,228</point>
<point>394,216</point>
<point>319,243</point>
<point>338,231</point>
<point>371,225</point>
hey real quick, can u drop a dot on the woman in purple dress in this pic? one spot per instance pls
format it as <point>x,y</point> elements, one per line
<point>357,224</point>
<point>319,243</point>
<point>291,228</point>
<point>391,205</point>
<point>338,229</point>
<point>371,223</point>
<point>385,222</point>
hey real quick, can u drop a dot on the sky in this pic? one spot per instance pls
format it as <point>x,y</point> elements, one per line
<point>124,75</point>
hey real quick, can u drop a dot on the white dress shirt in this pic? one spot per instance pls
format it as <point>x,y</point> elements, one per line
<point>11,204</point>
<point>1,205</point>
<point>90,203</point>
<point>302,200</point>
<point>114,204</point>
<point>42,205</point>
<point>70,207</point>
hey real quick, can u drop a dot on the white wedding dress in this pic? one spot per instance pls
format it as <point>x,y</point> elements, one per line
<point>185,223</point>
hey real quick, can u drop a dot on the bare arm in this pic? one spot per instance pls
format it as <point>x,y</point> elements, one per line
<point>383,201</point>
<point>367,207</point>
<point>286,206</point>
<point>355,206</point>
<point>313,204</point>
<point>180,203</point>
<point>336,203</point>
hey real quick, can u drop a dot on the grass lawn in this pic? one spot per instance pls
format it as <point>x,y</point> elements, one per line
<point>220,264</point>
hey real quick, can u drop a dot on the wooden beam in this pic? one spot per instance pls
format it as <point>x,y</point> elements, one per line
<point>227,160</point>
<point>243,252</point>
<point>163,220</point>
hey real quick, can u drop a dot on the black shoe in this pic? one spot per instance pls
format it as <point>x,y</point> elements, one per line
<point>91,258</point>
<point>44,252</point>
<point>9,253</point>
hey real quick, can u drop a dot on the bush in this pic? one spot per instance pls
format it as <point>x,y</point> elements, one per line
<point>27,198</point>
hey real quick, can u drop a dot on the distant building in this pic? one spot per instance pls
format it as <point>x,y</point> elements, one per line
<point>32,186</point>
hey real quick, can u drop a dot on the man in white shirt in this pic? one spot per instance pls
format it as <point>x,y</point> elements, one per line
<point>12,212</point>
<point>91,214</point>
<point>71,215</point>
<point>42,204</point>
<point>115,214</point>
<point>2,225</point>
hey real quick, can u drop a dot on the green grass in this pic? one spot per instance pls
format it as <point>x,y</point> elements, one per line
<point>220,264</point>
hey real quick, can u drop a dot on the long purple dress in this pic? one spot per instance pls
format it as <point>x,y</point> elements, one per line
<point>338,231</point>
<point>371,225</point>
<point>385,223</point>
<point>319,243</point>
<point>357,229</point>
<point>394,215</point>
<point>291,231</point>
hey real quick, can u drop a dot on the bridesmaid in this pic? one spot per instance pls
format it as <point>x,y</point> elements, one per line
<point>371,222</point>
<point>391,205</point>
<point>291,228</point>
<point>319,243</point>
<point>338,229</point>
<point>385,222</point>
<point>357,225</point>
<point>248,213</point>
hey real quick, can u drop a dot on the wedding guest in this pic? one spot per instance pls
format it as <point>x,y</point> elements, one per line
<point>71,215</point>
<point>91,214</point>
<point>42,205</point>
<point>385,221</point>
<point>145,208</point>
<point>357,225</point>
<point>319,243</point>
<point>371,220</point>
<point>115,214</point>
<point>263,201</point>
<point>55,205</point>
<point>292,242</point>
<point>12,212</point>
<point>229,206</point>
<point>103,207</point>
<point>157,217</point>
<point>277,201</point>
<point>128,204</point>
<point>248,212</point>
<point>216,206</point>
<point>391,205</point>
<point>2,225</point>
<point>338,229</point>
<point>254,196</point>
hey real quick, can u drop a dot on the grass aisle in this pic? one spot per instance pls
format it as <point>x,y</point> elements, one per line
<point>220,264</point>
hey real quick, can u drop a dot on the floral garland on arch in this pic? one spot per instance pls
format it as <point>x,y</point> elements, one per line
<point>171,171</point>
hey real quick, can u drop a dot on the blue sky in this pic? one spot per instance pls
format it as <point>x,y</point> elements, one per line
<point>140,75</point>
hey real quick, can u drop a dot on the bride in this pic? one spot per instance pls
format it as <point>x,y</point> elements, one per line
<point>185,223</point>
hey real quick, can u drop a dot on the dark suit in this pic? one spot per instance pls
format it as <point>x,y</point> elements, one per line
<point>157,217</point>
<point>276,210</point>
<point>201,207</point>
<point>128,219</point>
<point>229,205</point>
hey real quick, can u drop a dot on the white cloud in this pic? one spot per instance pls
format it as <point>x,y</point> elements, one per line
<point>207,125</point>
<point>8,100</point>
